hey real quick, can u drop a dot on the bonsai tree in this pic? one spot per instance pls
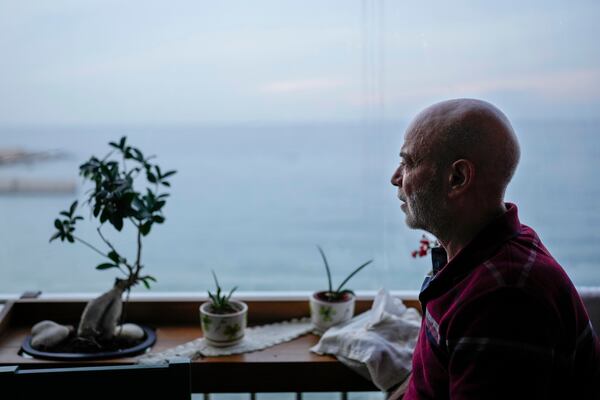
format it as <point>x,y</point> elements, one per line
<point>339,293</point>
<point>113,199</point>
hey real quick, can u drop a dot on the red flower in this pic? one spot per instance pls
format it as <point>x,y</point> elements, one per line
<point>425,244</point>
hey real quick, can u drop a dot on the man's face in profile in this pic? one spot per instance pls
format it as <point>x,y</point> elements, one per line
<point>419,185</point>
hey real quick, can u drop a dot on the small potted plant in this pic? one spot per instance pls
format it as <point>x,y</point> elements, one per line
<point>331,307</point>
<point>223,319</point>
<point>113,199</point>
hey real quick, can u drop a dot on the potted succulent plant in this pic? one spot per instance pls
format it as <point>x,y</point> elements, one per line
<point>223,319</point>
<point>112,199</point>
<point>333,306</point>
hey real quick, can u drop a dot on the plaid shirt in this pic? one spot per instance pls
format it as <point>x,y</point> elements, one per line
<point>502,320</point>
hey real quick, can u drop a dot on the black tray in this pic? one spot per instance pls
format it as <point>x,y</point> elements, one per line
<point>130,351</point>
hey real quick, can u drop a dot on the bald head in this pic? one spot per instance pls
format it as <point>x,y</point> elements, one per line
<point>473,130</point>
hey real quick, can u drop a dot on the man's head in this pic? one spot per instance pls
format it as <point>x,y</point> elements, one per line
<point>458,157</point>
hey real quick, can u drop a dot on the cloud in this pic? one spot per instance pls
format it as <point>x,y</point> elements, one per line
<point>569,85</point>
<point>314,85</point>
<point>572,84</point>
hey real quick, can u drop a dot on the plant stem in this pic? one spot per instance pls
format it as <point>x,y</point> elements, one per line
<point>106,241</point>
<point>90,246</point>
<point>139,253</point>
<point>115,250</point>
<point>124,167</point>
<point>108,155</point>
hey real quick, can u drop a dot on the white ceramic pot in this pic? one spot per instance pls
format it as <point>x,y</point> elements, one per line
<point>221,330</point>
<point>324,314</point>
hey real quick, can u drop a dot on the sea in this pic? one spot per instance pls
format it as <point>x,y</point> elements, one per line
<point>252,201</point>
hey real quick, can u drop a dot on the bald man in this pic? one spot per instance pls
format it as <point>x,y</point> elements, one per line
<point>501,318</point>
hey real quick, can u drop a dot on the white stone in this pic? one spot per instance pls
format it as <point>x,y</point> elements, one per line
<point>40,326</point>
<point>129,331</point>
<point>47,334</point>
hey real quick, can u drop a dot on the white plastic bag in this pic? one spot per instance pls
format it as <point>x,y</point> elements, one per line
<point>378,344</point>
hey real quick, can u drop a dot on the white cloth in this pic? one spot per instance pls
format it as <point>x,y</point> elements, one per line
<point>255,338</point>
<point>379,343</point>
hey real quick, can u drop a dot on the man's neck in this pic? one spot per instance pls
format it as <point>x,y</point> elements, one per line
<point>466,228</point>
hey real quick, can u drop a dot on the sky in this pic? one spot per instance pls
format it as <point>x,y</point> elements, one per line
<point>196,62</point>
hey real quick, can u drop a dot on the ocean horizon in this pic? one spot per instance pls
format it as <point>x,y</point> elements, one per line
<point>252,202</point>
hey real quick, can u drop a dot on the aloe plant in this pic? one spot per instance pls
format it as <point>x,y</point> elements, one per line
<point>220,302</point>
<point>340,292</point>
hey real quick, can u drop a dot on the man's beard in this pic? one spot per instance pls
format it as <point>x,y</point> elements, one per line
<point>425,209</point>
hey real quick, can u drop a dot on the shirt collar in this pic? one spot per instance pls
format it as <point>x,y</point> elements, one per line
<point>483,246</point>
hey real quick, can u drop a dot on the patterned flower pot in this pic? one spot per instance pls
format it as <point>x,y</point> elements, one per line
<point>221,330</point>
<point>325,313</point>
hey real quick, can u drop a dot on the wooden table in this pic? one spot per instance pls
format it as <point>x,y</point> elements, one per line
<point>287,367</point>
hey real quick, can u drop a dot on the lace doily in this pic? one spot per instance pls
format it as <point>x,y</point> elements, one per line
<point>255,338</point>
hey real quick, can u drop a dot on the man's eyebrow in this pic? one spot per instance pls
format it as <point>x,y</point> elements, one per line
<point>405,155</point>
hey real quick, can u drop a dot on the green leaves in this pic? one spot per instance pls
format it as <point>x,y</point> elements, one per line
<point>339,293</point>
<point>116,221</point>
<point>220,301</point>
<point>156,176</point>
<point>145,228</point>
<point>113,198</point>
<point>339,289</point>
<point>326,266</point>
<point>151,177</point>
<point>72,208</point>
<point>106,266</point>
<point>146,280</point>
<point>113,255</point>
<point>120,145</point>
<point>66,226</point>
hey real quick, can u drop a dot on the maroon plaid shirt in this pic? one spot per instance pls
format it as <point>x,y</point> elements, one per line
<point>502,320</point>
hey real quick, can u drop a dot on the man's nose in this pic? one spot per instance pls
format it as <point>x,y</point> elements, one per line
<point>397,177</point>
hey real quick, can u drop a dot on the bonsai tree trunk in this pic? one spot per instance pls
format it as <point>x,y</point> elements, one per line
<point>101,315</point>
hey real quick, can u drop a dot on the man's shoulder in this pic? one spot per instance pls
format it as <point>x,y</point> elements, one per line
<point>524,262</point>
<point>523,269</point>
<point>521,276</point>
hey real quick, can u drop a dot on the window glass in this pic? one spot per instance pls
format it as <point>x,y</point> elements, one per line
<point>284,121</point>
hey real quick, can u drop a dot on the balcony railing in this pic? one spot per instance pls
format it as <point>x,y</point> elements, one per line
<point>288,370</point>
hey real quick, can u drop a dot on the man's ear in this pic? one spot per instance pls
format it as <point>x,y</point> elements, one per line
<point>462,174</point>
